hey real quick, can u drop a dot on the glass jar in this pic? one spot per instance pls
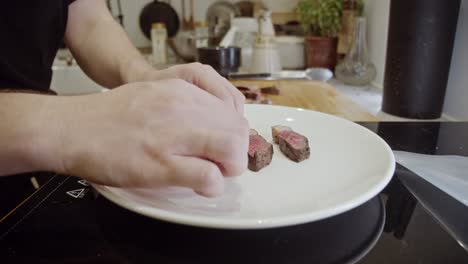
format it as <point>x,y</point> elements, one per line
<point>202,34</point>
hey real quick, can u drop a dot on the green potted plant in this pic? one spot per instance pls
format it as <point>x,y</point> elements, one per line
<point>321,20</point>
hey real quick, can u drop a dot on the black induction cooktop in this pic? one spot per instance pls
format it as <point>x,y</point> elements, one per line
<point>49,218</point>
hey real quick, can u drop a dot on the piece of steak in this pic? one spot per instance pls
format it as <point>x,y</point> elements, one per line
<point>253,132</point>
<point>253,95</point>
<point>294,145</point>
<point>243,88</point>
<point>249,92</point>
<point>272,90</point>
<point>275,130</point>
<point>260,152</point>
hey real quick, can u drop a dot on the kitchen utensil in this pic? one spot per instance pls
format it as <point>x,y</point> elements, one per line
<point>184,45</point>
<point>184,21</point>
<point>291,51</point>
<point>219,16</point>
<point>313,74</point>
<point>334,180</point>
<point>228,38</point>
<point>265,60</point>
<point>448,173</point>
<point>245,24</point>
<point>186,42</point>
<point>259,6</point>
<point>191,18</point>
<point>187,24</point>
<point>119,15</point>
<point>246,8</point>
<point>249,76</point>
<point>318,74</point>
<point>265,24</point>
<point>242,34</point>
<point>159,12</point>
<point>223,59</point>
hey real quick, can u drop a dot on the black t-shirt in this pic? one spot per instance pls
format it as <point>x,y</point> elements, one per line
<point>31,32</point>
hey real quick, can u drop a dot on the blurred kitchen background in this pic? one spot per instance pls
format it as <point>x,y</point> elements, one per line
<point>279,38</point>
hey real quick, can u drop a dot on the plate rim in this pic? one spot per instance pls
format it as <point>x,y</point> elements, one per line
<point>282,221</point>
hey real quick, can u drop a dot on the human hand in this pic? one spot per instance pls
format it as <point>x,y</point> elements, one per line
<point>163,133</point>
<point>205,77</point>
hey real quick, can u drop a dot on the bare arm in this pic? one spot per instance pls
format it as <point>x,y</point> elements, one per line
<point>105,53</point>
<point>100,45</point>
<point>144,135</point>
<point>26,141</point>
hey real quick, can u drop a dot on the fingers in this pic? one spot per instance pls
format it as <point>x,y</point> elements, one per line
<point>206,128</point>
<point>203,176</point>
<point>181,135</point>
<point>227,150</point>
<point>208,79</point>
<point>237,97</point>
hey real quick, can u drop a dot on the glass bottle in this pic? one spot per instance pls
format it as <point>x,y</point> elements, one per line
<point>159,43</point>
<point>202,34</point>
<point>356,68</point>
<point>345,36</point>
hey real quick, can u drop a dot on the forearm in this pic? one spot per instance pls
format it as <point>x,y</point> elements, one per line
<point>101,46</point>
<point>26,139</point>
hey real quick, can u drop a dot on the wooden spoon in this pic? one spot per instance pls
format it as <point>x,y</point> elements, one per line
<point>191,19</point>
<point>184,22</point>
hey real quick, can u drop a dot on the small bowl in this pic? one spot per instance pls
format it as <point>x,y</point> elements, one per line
<point>223,59</point>
<point>319,74</point>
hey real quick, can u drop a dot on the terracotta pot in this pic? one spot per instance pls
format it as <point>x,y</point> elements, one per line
<point>321,52</point>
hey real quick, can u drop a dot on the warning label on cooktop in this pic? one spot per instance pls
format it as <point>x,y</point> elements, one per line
<point>78,193</point>
<point>83,182</point>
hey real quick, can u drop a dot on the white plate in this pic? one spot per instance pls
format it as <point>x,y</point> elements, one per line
<point>348,166</point>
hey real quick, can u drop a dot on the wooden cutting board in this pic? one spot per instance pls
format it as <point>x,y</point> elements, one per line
<point>317,96</point>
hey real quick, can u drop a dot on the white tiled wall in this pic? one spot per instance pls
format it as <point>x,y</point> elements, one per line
<point>132,9</point>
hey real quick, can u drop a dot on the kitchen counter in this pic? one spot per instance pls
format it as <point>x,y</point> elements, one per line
<point>369,97</point>
<point>312,95</point>
<point>411,221</point>
<point>70,80</point>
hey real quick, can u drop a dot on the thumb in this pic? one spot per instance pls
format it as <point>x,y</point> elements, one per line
<point>201,175</point>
